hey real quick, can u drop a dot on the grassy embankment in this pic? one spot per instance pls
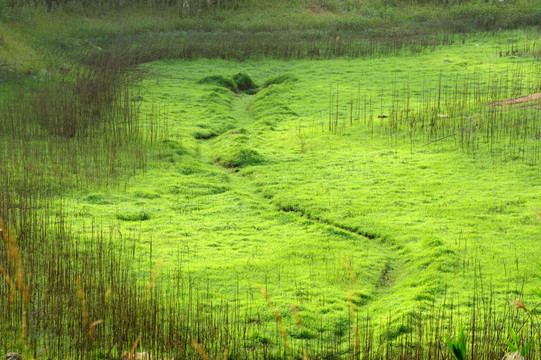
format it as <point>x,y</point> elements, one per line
<point>247,189</point>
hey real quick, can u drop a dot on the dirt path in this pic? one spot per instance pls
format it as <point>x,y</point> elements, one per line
<point>517,100</point>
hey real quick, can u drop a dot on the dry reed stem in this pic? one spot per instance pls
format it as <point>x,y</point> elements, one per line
<point>276,314</point>
<point>152,279</point>
<point>352,307</point>
<point>355,327</point>
<point>519,305</point>
<point>23,326</point>
<point>12,287</point>
<point>226,354</point>
<point>107,295</point>
<point>91,327</point>
<point>200,350</point>
<point>134,346</point>
<point>297,315</point>
<point>82,301</point>
<point>298,320</point>
<point>538,212</point>
<point>10,243</point>
<point>352,274</point>
<point>138,356</point>
<point>350,303</point>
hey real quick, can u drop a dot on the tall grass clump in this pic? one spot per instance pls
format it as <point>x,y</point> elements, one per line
<point>74,130</point>
<point>211,29</point>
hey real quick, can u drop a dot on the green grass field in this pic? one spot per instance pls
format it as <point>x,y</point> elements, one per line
<point>254,189</point>
<point>369,179</point>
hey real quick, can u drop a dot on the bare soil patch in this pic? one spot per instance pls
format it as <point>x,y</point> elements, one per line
<point>517,100</point>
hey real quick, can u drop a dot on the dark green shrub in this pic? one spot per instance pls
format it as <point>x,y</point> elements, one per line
<point>138,216</point>
<point>244,83</point>
<point>204,133</point>
<point>219,80</point>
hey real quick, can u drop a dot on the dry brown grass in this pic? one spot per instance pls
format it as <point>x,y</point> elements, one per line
<point>357,346</point>
<point>277,316</point>
<point>199,350</point>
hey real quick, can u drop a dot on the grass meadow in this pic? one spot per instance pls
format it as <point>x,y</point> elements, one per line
<point>286,206</point>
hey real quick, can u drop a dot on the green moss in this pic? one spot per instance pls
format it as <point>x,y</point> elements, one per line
<point>145,195</point>
<point>219,96</point>
<point>98,199</point>
<point>244,83</point>
<point>239,157</point>
<point>280,79</point>
<point>205,134</point>
<point>219,80</point>
<point>133,216</point>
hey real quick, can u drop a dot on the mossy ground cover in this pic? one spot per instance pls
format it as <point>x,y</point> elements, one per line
<point>247,189</point>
